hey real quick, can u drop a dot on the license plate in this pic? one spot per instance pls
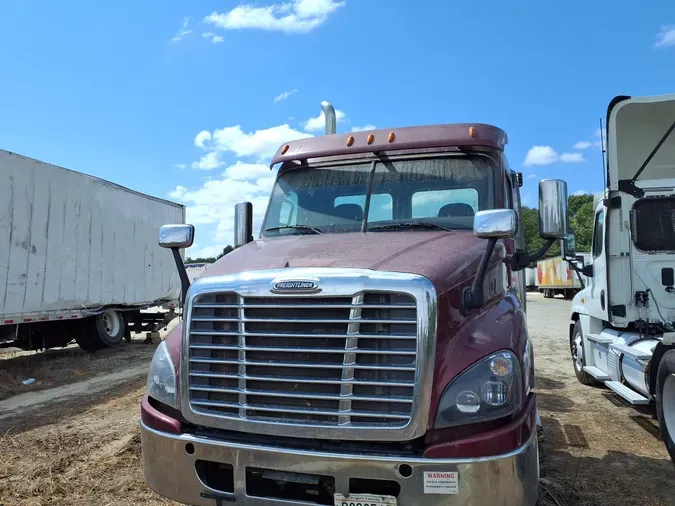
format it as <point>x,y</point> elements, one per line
<point>364,500</point>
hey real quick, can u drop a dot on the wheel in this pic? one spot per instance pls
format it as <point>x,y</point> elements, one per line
<point>577,349</point>
<point>665,400</point>
<point>104,330</point>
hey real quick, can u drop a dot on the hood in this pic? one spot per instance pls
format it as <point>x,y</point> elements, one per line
<point>634,128</point>
<point>445,258</point>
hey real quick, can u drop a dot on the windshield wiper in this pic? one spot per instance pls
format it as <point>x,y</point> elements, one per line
<point>300,227</point>
<point>419,224</point>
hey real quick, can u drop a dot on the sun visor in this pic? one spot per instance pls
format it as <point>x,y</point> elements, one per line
<point>636,126</point>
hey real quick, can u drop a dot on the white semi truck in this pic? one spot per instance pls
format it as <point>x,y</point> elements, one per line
<point>79,258</point>
<point>621,329</point>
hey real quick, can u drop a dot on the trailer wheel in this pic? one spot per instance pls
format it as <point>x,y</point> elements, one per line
<point>104,330</point>
<point>577,349</point>
<point>665,400</point>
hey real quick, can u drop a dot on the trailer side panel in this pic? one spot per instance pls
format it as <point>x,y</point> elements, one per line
<point>69,241</point>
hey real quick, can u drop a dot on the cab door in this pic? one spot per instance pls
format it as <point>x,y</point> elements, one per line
<point>598,303</point>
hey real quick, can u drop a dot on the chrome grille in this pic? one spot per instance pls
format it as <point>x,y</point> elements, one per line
<point>332,361</point>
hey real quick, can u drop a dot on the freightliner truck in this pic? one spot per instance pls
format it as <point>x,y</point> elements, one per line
<point>370,347</point>
<point>621,328</point>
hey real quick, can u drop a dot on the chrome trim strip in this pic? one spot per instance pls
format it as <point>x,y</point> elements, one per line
<point>334,282</point>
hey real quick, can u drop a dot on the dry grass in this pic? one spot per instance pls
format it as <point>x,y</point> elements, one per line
<point>69,365</point>
<point>91,458</point>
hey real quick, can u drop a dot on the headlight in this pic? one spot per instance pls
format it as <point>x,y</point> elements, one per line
<point>162,377</point>
<point>488,390</point>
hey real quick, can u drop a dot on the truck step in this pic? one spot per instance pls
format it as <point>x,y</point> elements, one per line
<point>597,373</point>
<point>599,338</point>
<point>630,352</point>
<point>628,394</point>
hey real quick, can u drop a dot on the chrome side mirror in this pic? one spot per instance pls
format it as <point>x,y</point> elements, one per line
<point>552,209</point>
<point>243,223</point>
<point>176,236</point>
<point>495,223</point>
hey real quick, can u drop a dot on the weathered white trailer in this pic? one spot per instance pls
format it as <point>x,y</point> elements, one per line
<point>76,247</point>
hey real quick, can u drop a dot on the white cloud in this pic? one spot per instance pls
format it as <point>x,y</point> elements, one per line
<point>209,161</point>
<point>284,95</point>
<point>580,192</point>
<point>666,37</point>
<point>261,144</point>
<point>598,133</point>
<point>582,145</point>
<point>540,155</point>
<point>363,128</point>
<point>207,252</point>
<point>531,176</point>
<point>216,39</point>
<point>202,138</point>
<point>546,155</point>
<point>183,32</point>
<point>178,192</point>
<point>319,123</point>
<point>294,16</point>
<point>179,165</point>
<point>572,158</point>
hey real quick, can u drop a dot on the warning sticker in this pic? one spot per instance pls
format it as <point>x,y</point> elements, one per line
<point>441,482</point>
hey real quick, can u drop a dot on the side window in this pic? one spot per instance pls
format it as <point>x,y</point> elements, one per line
<point>288,211</point>
<point>381,205</point>
<point>508,192</point>
<point>427,204</point>
<point>597,233</point>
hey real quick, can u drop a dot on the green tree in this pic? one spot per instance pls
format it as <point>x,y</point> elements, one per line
<point>580,208</point>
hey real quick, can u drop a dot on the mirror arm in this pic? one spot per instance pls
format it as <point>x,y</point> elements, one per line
<point>182,273</point>
<point>522,259</point>
<point>473,296</point>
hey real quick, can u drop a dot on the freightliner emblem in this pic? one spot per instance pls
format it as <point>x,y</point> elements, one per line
<point>294,286</point>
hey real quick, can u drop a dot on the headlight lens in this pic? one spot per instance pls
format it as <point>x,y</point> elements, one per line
<point>162,377</point>
<point>488,390</point>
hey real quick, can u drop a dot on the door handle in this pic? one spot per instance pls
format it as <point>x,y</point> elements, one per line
<point>602,299</point>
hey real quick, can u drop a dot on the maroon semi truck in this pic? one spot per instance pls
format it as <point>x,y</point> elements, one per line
<point>370,347</point>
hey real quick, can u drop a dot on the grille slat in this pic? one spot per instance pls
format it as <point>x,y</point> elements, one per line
<point>299,350</point>
<point>297,320</point>
<point>335,397</point>
<point>338,361</point>
<point>308,411</point>
<point>301,336</point>
<point>311,365</point>
<point>292,379</point>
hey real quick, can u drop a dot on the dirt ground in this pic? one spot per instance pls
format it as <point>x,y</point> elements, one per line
<point>57,448</point>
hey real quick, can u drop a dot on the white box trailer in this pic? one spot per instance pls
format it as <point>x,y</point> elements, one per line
<point>74,247</point>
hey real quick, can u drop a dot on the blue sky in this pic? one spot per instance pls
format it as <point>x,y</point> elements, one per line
<point>177,98</point>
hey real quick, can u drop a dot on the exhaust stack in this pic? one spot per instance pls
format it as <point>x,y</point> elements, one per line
<point>329,114</point>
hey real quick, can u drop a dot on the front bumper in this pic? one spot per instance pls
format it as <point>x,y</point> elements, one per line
<point>169,466</point>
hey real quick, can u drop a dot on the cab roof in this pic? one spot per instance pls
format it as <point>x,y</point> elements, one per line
<point>459,135</point>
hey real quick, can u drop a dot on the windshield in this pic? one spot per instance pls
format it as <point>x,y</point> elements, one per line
<point>445,191</point>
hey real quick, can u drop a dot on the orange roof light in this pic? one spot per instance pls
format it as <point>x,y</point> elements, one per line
<point>371,138</point>
<point>350,141</point>
<point>285,149</point>
<point>392,137</point>
<point>472,131</point>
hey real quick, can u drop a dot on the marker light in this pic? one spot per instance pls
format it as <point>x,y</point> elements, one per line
<point>501,366</point>
<point>472,131</point>
<point>350,140</point>
<point>284,149</point>
<point>392,137</point>
<point>371,138</point>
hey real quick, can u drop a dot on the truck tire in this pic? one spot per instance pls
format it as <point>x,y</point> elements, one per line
<point>104,330</point>
<point>665,400</point>
<point>578,361</point>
